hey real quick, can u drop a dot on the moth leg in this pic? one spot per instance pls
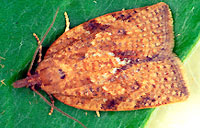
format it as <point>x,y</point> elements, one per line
<point>67,21</point>
<point>40,47</point>
<point>50,96</point>
<point>52,102</point>
<point>98,114</point>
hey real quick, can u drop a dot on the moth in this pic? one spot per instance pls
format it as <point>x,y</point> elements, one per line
<point>116,62</point>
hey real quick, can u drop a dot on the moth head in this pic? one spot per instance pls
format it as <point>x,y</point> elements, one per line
<point>29,81</point>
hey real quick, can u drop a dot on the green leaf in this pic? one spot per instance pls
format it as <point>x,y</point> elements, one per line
<point>20,19</point>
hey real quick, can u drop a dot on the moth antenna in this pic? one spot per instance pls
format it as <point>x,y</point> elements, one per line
<point>36,51</point>
<point>56,107</point>
<point>50,26</point>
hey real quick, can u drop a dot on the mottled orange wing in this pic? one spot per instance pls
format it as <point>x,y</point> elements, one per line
<point>119,61</point>
<point>142,32</point>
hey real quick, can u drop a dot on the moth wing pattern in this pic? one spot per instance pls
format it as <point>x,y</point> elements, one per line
<point>158,82</point>
<point>116,62</point>
<point>149,27</point>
